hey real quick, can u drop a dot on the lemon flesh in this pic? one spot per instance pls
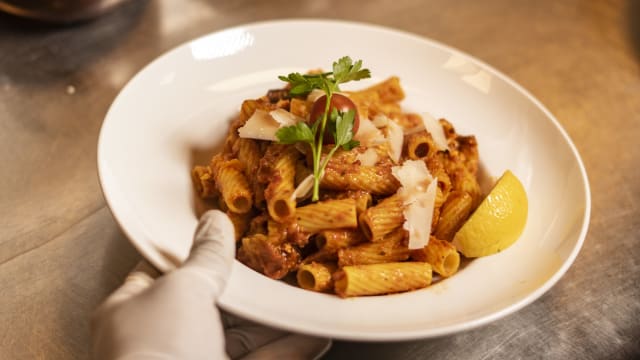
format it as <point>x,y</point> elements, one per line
<point>497,222</point>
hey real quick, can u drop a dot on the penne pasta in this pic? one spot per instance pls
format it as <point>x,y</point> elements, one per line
<point>335,239</point>
<point>380,279</point>
<point>376,180</point>
<point>387,91</point>
<point>300,107</point>
<point>393,247</point>
<point>420,145</point>
<point>316,276</point>
<point>203,182</point>
<point>442,255</point>
<point>455,212</point>
<point>329,214</point>
<point>232,184</point>
<point>278,193</point>
<point>379,220</point>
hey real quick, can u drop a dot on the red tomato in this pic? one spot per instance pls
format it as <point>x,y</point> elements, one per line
<point>339,102</point>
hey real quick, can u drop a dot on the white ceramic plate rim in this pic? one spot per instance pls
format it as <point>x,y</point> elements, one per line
<point>125,215</point>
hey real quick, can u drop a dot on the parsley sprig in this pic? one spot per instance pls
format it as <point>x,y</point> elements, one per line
<point>340,124</point>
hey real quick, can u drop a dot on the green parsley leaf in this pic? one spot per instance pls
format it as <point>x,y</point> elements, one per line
<point>344,129</point>
<point>299,132</point>
<point>351,144</point>
<point>344,70</point>
<point>303,84</point>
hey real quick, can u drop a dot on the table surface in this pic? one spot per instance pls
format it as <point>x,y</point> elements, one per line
<point>61,251</point>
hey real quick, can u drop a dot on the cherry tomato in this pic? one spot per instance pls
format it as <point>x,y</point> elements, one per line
<point>339,102</point>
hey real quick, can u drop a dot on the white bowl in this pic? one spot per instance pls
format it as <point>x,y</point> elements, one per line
<point>179,107</point>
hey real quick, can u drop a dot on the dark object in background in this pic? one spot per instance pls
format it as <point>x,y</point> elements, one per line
<point>59,11</point>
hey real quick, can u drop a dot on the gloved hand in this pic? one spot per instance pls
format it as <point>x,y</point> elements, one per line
<point>174,317</point>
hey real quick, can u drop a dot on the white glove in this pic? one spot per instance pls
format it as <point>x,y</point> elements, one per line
<point>174,317</point>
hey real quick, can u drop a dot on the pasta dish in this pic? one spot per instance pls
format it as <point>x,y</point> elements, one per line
<point>343,190</point>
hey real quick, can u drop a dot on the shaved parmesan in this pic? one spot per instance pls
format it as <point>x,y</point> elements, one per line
<point>263,125</point>
<point>380,120</point>
<point>418,194</point>
<point>285,118</point>
<point>418,217</point>
<point>412,175</point>
<point>304,188</point>
<point>260,126</point>
<point>368,134</point>
<point>395,137</point>
<point>368,158</point>
<point>435,129</point>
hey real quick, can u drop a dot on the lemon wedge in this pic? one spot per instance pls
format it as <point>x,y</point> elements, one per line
<point>497,222</point>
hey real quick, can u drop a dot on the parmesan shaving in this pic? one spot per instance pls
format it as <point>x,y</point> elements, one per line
<point>368,158</point>
<point>304,188</point>
<point>260,126</point>
<point>285,118</point>
<point>418,194</point>
<point>368,134</point>
<point>418,217</point>
<point>435,129</point>
<point>395,137</point>
<point>263,125</point>
<point>380,120</point>
<point>412,174</point>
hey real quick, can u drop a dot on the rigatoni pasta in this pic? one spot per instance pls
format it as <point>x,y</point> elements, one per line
<point>316,276</point>
<point>355,240</point>
<point>377,279</point>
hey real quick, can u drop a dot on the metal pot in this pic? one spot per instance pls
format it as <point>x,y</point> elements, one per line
<point>58,11</point>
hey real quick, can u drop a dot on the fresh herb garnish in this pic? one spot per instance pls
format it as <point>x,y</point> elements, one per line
<point>340,124</point>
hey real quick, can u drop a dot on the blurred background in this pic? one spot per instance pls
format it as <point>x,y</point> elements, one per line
<point>62,63</point>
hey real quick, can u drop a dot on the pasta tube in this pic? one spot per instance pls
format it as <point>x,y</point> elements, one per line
<point>392,248</point>
<point>248,152</point>
<point>281,203</point>
<point>332,240</point>
<point>300,107</point>
<point>379,279</point>
<point>381,219</point>
<point>232,184</point>
<point>316,276</point>
<point>388,91</point>
<point>363,199</point>
<point>443,257</point>
<point>203,182</point>
<point>377,180</point>
<point>329,214</point>
<point>329,242</point>
<point>455,212</point>
<point>420,145</point>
